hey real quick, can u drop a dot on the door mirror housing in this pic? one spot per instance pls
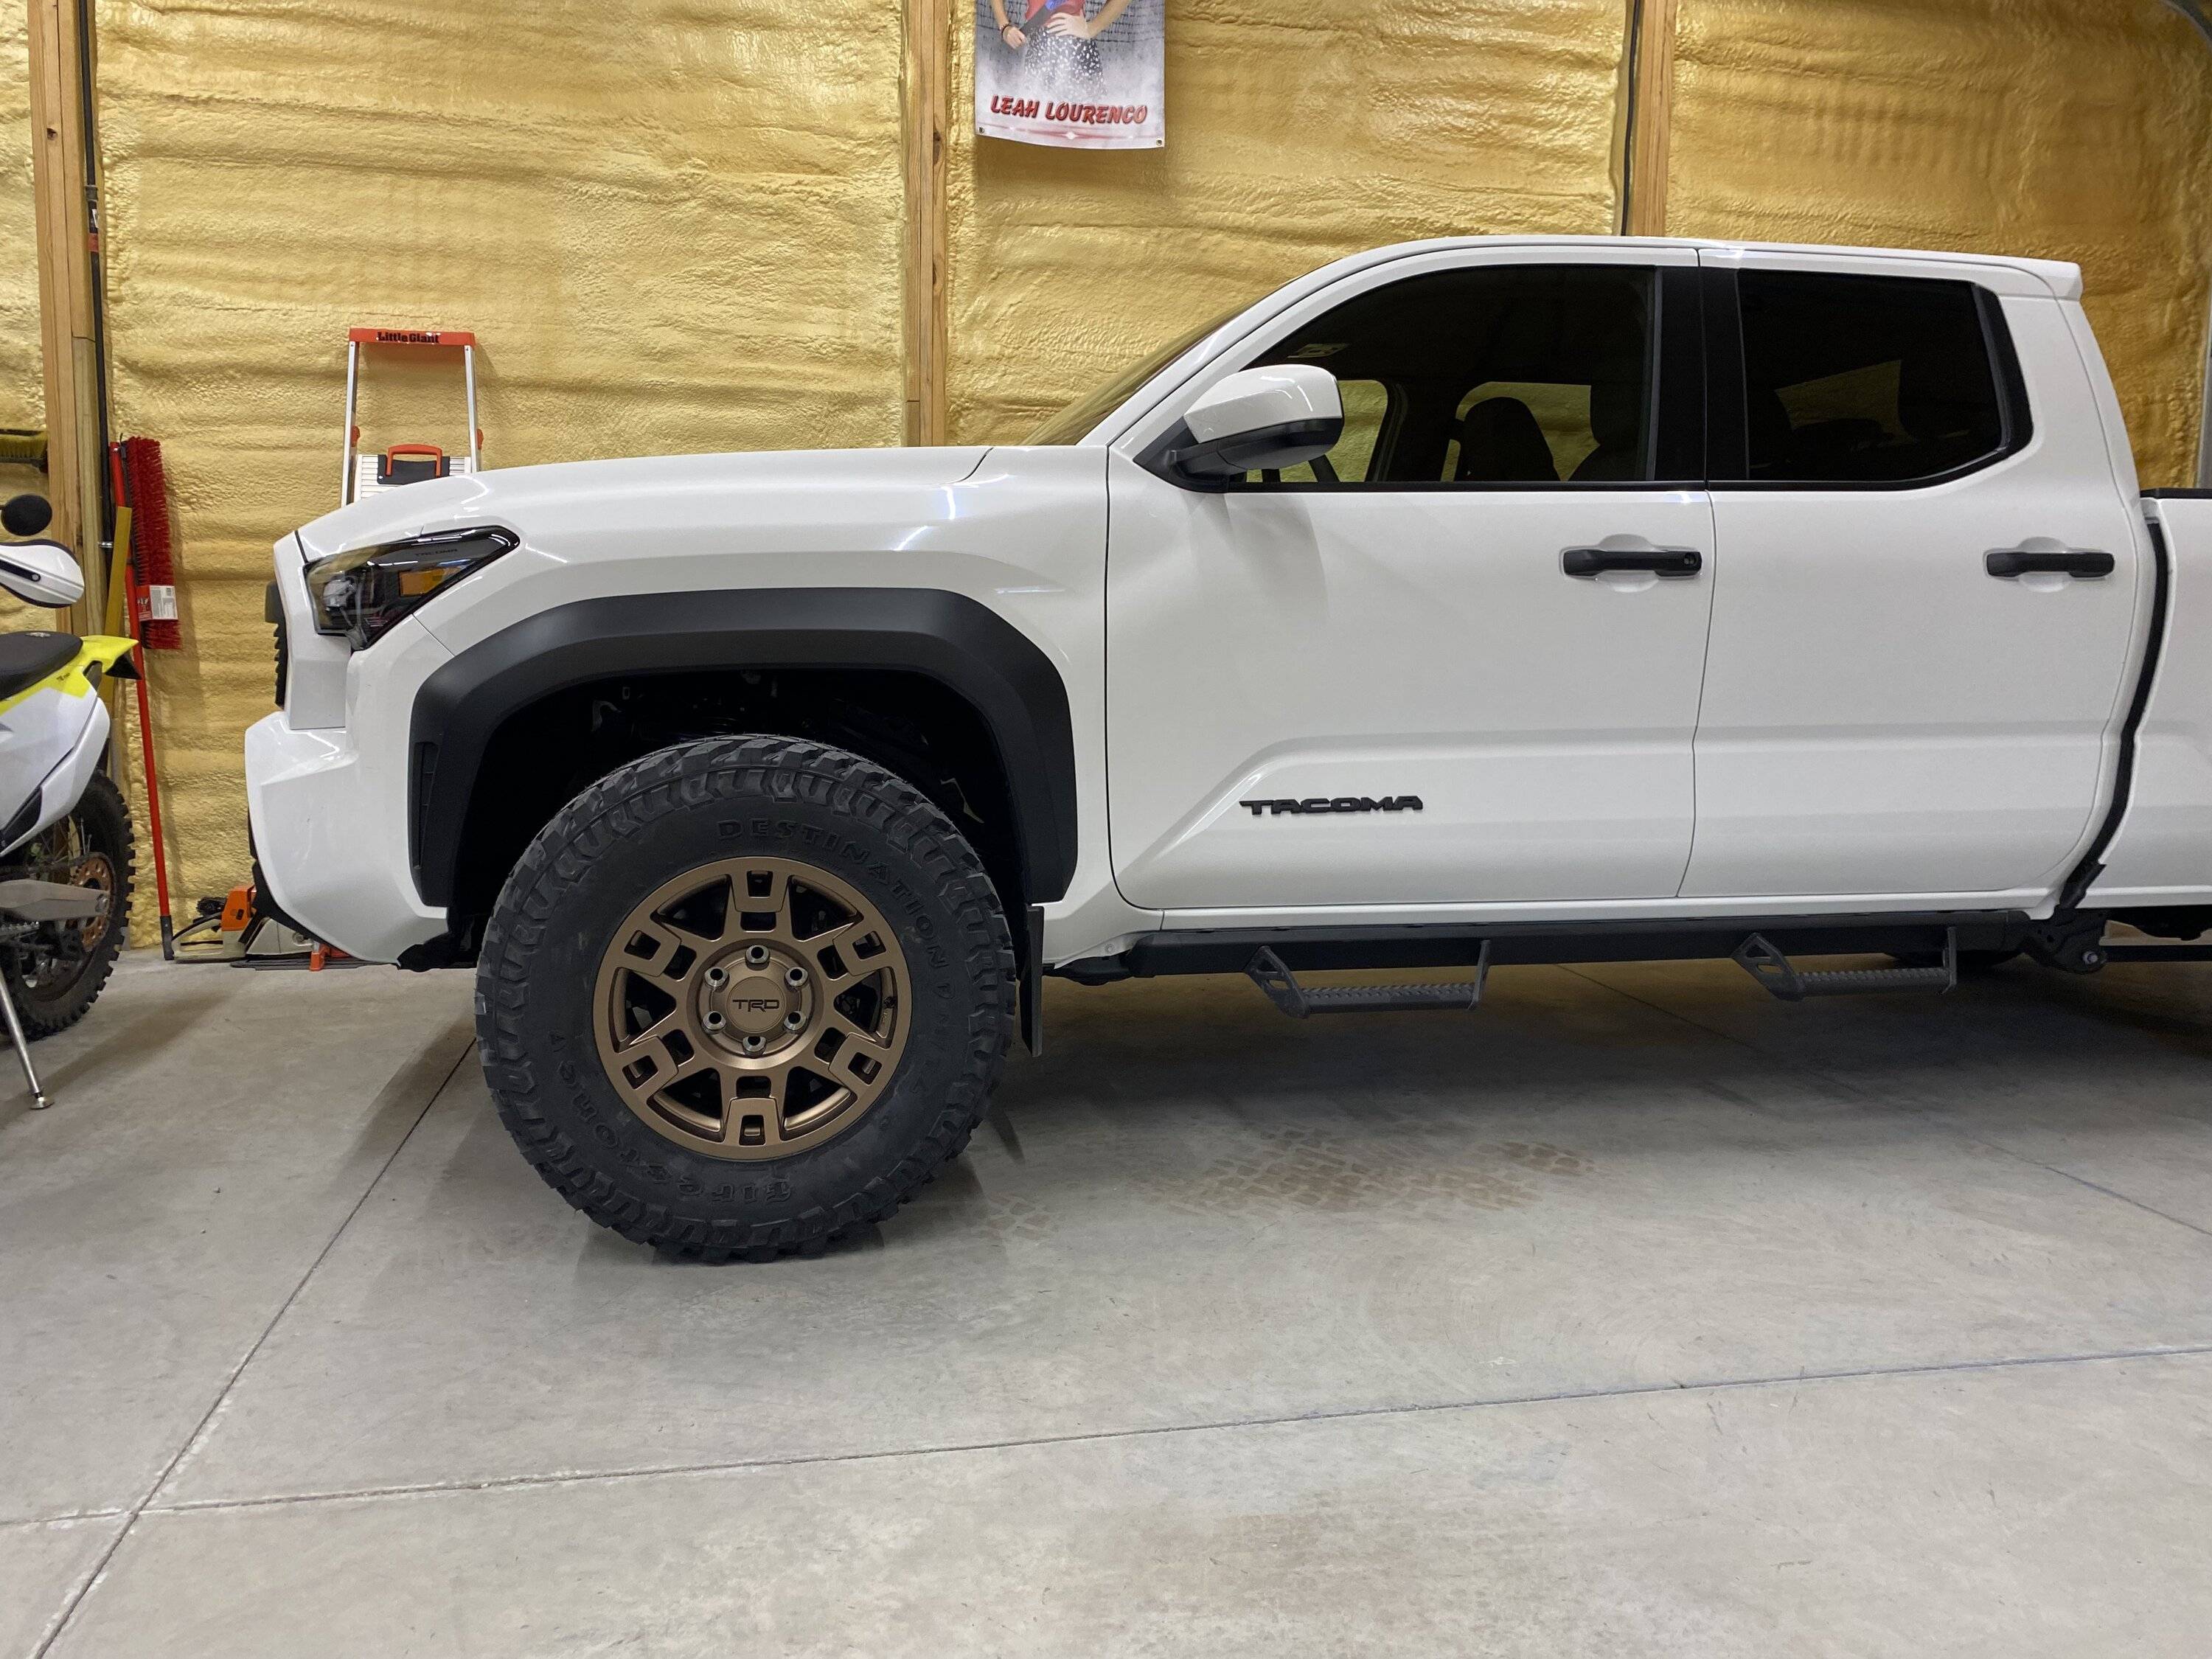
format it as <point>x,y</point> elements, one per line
<point>45,573</point>
<point>1258,419</point>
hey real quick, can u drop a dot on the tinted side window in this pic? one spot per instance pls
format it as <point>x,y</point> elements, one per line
<point>1366,407</point>
<point>1867,379</point>
<point>1497,377</point>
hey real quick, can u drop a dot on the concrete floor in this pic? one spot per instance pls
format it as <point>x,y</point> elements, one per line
<point>1637,1314</point>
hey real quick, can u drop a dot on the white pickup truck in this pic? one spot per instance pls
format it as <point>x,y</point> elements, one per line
<point>1465,603</point>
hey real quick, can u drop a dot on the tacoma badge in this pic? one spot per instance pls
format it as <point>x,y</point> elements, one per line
<point>1338,804</point>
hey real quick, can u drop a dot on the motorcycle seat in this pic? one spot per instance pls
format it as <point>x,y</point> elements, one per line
<point>28,656</point>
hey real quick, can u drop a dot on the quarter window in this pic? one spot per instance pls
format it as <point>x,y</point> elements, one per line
<point>1868,380</point>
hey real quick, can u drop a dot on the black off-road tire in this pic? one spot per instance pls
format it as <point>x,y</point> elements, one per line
<point>690,805</point>
<point>58,1001</point>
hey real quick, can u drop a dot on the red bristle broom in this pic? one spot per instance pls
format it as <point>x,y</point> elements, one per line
<point>149,583</point>
<point>147,486</point>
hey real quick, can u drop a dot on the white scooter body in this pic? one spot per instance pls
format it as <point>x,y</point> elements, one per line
<point>53,733</point>
<point>51,743</point>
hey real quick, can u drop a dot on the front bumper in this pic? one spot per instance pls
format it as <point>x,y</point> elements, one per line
<point>331,833</point>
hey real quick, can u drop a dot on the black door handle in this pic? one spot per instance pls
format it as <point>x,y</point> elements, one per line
<point>1657,560</point>
<point>2012,562</point>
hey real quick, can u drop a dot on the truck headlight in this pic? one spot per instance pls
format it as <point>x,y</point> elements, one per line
<point>361,594</point>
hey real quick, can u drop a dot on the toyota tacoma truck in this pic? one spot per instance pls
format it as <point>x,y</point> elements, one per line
<point>1465,603</point>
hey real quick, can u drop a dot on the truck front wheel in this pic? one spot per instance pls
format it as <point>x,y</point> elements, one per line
<point>745,996</point>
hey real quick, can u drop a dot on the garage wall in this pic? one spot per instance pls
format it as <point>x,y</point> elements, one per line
<point>2072,129</point>
<point>1364,121</point>
<point>676,222</point>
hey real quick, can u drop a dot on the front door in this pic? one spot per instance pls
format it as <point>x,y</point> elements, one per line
<point>1928,587</point>
<point>1458,659</point>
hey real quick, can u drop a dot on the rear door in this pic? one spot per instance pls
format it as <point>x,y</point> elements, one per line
<point>1928,578</point>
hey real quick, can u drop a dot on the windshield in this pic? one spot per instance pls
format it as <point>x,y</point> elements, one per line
<point>1080,416</point>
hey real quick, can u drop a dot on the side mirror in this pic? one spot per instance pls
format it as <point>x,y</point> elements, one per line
<point>45,573</point>
<point>1270,418</point>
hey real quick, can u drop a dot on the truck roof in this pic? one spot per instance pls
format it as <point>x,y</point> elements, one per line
<point>2058,277</point>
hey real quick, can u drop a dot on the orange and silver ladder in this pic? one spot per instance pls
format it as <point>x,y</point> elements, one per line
<point>404,464</point>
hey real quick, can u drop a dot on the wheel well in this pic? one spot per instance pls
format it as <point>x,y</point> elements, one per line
<point>548,751</point>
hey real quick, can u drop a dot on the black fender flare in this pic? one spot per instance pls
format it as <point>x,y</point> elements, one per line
<point>962,645</point>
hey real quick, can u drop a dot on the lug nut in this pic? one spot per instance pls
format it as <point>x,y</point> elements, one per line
<point>795,978</point>
<point>717,978</point>
<point>793,1020</point>
<point>753,1045</point>
<point>756,956</point>
<point>714,1021</point>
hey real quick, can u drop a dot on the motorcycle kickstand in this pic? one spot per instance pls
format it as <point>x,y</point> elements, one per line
<point>39,1098</point>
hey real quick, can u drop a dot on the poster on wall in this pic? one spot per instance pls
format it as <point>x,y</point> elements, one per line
<point>1078,74</point>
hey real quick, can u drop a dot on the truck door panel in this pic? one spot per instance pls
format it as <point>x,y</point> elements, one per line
<point>1379,683</point>
<point>1888,708</point>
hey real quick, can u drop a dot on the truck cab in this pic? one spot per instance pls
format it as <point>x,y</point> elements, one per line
<point>1464,603</point>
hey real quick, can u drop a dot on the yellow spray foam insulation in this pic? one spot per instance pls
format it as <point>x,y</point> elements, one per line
<point>1293,137</point>
<point>675,226</point>
<point>2073,129</point>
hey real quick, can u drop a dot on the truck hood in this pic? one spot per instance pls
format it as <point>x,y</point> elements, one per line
<point>529,499</point>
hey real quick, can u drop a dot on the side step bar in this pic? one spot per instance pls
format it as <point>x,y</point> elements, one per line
<point>1759,958</point>
<point>1267,971</point>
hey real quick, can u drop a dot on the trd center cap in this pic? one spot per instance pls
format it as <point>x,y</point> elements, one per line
<point>756,1004</point>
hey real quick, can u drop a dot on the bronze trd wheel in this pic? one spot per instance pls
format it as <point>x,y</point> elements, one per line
<point>752,1007</point>
<point>744,997</point>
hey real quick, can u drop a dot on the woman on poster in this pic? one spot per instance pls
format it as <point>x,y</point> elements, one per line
<point>1066,48</point>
